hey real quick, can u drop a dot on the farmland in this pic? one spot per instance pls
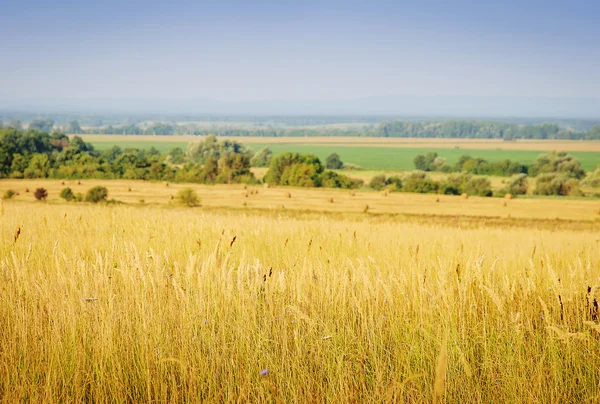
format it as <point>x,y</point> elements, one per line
<point>296,298</point>
<point>380,153</point>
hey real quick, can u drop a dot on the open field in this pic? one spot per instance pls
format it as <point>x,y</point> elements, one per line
<point>475,144</point>
<point>276,200</point>
<point>379,153</point>
<point>155,304</point>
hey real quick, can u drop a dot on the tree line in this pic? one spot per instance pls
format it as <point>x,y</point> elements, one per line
<point>35,154</point>
<point>398,129</point>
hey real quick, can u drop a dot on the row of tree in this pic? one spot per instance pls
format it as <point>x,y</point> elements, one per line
<point>35,154</point>
<point>417,129</point>
<point>553,162</point>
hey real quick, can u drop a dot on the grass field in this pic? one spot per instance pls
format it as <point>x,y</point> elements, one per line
<point>170,304</point>
<point>378,154</point>
<point>275,200</point>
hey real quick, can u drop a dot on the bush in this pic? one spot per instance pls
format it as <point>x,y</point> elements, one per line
<point>188,197</point>
<point>333,162</point>
<point>378,182</point>
<point>331,179</point>
<point>418,182</point>
<point>40,194</point>
<point>96,194</point>
<point>557,184</point>
<point>478,186</point>
<point>593,178</point>
<point>518,185</point>
<point>67,194</point>
<point>262,158</point>
<point>9,194</point>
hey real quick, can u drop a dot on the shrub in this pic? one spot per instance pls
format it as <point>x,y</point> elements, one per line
<point>418,182</point>
<point>96,194</point>
<point>593,178</point>
<point>331,179</point>
<point>480,186</point>
<point>518,185</point>
<point>67,194</point>
<point>378,182</point>
<point>9,194</point>
<point>333,162</point>
<point>262,158</point>
<point>188,197</point>
<point>40,194</point>
<point>556,184</point>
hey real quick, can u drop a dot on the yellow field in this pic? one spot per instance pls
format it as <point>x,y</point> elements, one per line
<point>475,144</point>
<point>353,203</point>
<point>125,303</point>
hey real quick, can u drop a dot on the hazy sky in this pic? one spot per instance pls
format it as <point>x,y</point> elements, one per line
<point>301,50</point>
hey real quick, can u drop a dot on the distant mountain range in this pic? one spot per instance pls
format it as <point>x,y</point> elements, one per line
<point>439,106</point>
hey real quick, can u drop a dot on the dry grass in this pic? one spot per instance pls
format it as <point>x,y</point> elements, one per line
<point>317,200</point>
<point>147,304</point>
<point>474,144</point>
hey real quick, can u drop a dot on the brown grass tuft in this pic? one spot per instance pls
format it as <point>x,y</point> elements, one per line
<point>17,233</point>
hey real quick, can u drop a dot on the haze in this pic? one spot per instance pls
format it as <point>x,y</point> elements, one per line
<point>426,57</point>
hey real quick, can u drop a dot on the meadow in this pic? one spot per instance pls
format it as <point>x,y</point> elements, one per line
<point>380,153</point>
<point>311,302</point>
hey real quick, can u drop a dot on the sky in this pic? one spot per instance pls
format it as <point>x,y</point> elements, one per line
<point>259,51</point>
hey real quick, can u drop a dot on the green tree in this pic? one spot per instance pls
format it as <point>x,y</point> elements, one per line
<point>67,194</point>
<point>42,125</point>
<point>73,128</point>
<point>262,158</point>
<point>96,194</point>
<point>333,162</point>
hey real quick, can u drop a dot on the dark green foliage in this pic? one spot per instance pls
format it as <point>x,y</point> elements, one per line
<point>40,194</point>
<point>331,179</point>
<point>333,162</point>
<point>294,169</point>
<point>67,194</point>
<point>9,194</point>
<point>96,194</point>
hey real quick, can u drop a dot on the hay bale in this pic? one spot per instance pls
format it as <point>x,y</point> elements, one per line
<point>465,196</point>
<point>288,195</point>
<point>508,196</point>
<point>330,200</point>
<point>245,186</point>
<point>352,193</point>
<point>167,184</point>
<point>365,208</point>
<point>244,203</point>
<point>437,200</point>
<point>265,185</point>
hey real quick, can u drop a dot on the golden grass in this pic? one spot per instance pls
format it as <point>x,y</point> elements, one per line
<point>317,200</point>
<point>131,304</point>
<point>475,144</point>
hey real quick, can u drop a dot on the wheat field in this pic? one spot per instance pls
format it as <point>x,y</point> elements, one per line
<point>171,304</point>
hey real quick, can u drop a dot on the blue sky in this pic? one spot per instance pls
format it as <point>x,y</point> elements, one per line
<point>310,50</point>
